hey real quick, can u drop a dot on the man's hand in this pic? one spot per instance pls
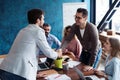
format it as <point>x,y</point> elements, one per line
<point>87,68</point>
<point>71,55</point>
<point>41,75</point>
<point>100,74</point>
<point>59,51</point>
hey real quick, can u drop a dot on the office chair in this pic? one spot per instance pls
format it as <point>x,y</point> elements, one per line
<point>98,57</point>
<point>81,75</point>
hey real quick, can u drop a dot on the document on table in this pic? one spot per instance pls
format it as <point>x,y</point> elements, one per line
<point>95,77</point>
<point>58,77</point>
<point>71,64</point>
<point>43,59</point>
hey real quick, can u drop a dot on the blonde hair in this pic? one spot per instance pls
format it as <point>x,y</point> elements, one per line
<point>115,44</point>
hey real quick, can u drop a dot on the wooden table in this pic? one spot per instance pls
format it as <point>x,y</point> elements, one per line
<point>2,56</point>
<point>72,74</point>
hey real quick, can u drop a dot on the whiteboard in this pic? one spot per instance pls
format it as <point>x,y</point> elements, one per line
<point>69,10</point>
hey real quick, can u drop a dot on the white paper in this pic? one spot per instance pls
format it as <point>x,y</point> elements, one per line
<point>58,77</point>
<point>43,59</point>
<point>95,77</point>
<point>71,64</point>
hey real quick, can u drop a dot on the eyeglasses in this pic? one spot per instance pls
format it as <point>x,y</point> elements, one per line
<point>77,17</point>
<point>67,31</point>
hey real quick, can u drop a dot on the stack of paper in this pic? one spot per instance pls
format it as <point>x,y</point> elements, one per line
<point>43,59</point>
<point>71,64</point>
<point>95,77</point>
<point>58,77</point>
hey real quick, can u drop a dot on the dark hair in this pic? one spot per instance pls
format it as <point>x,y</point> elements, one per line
<point>33,15</point>
<point>66,28</point>
<point>83,11</point>
<point>46,24</point>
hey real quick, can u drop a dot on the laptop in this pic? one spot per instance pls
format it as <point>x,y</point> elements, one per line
<point>45,65</point>
<point>42,66</point>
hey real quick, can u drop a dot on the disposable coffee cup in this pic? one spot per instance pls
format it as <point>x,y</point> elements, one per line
<point>65,67</point>
<point>58,63</point>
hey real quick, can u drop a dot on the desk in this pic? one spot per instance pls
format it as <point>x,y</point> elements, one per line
<point>72,74</point>
<point>2,57</point>
<point>103,36</point>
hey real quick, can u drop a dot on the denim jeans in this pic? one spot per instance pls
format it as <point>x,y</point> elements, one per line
<point>4,75</point>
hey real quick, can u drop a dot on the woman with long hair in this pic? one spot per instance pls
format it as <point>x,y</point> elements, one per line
<point>112,68</point>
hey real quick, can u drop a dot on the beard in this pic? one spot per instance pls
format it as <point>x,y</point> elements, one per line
<point>46,34</point>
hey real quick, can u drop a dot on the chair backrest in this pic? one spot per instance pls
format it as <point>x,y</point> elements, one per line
<point>81,75</point>
<point>98,57</point>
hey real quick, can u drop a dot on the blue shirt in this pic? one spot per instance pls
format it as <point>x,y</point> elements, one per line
<point>53,41</point>
<point>112,69</point>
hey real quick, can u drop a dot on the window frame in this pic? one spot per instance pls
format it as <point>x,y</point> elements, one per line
<point>93,14</point>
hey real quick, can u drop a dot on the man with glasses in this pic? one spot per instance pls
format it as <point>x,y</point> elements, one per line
<point>87,34</point>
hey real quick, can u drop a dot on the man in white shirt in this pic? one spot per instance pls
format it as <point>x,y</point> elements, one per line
<point>21,62</point>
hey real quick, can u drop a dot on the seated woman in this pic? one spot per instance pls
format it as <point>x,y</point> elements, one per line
<point>112,68</point>
<point>73,46</point>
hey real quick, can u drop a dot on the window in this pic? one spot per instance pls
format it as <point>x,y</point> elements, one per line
<point>116,21</point>
<point>69,10</point>
<point>102,7</point>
